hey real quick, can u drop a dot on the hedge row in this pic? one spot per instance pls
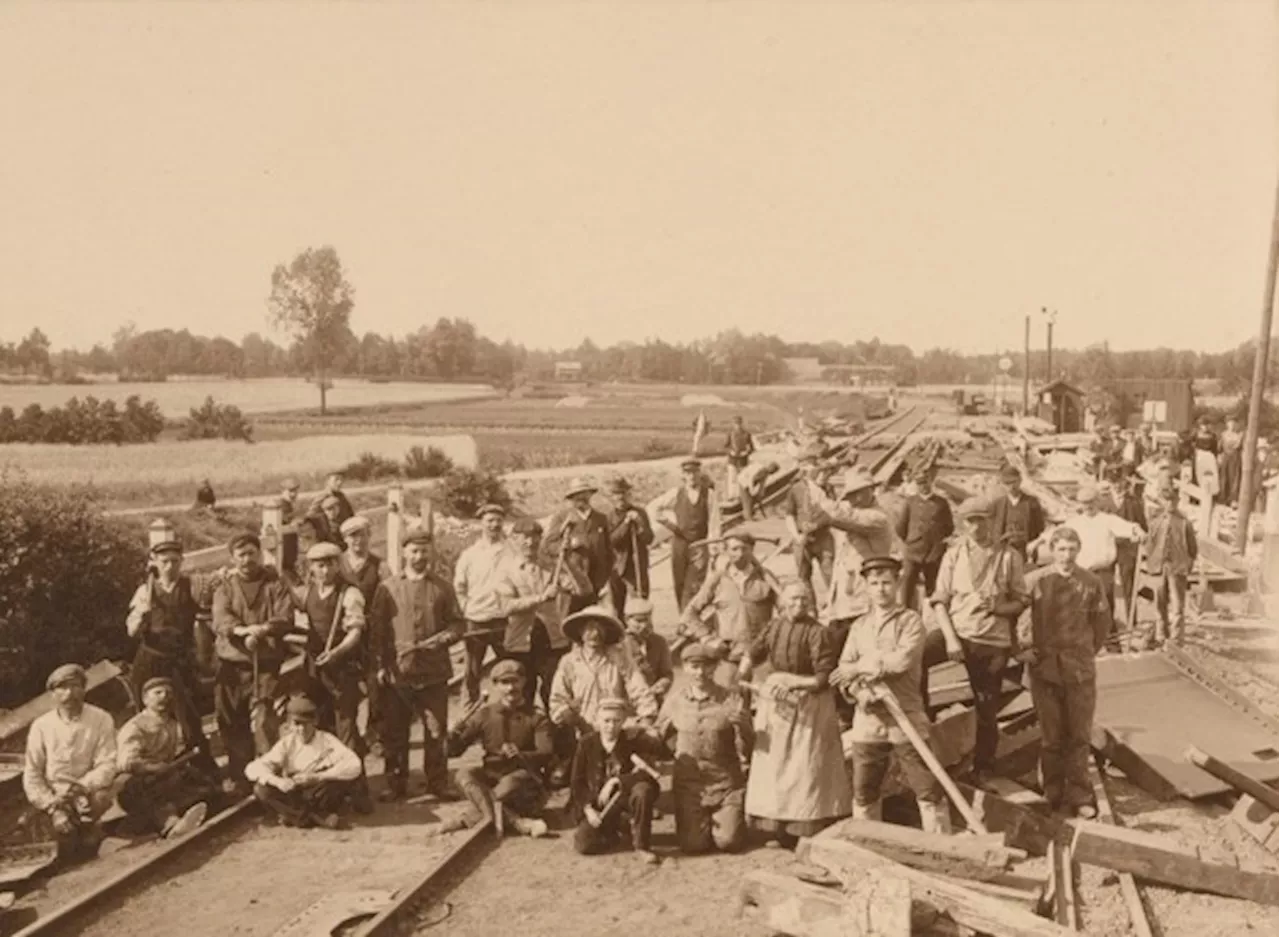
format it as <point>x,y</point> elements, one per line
<point>84,421</point>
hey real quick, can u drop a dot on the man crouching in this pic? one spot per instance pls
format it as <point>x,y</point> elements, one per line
<point>883,653</point>
<point>162,783</point>
<point>517,746</point>
<point>308,776</point>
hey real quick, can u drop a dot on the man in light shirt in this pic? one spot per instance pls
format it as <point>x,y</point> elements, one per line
<point>594,669</point>
<point>1099,531</point>
<point>70,764</point>
<point>307,777</point>
<point>692,513</point>
<point>479,578</point>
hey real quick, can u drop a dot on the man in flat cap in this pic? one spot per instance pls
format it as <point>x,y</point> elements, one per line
<point>517,747</point>
<point>884,648</point>
<point>611,785</point>
<point>691,512</point>
<point>364,569</point>
<point>709,728</point>
<point>577,539</point>
<point>308,777</point>
<point>1017,518</point>
<point>415,618</point>
<point>162,617</point>
<point>861,529</point>
<point>533,636</point>
<point>70,764</point>
<point>478,578</point>
<point>740,598</point>
<point>924,527</point>
<point>162,783</point>
<point>335,615</point>
<point>979,596</point>
<point>631,535</point>
<point>648,650</point>
<point>252,612</point>
<point>288,500</point>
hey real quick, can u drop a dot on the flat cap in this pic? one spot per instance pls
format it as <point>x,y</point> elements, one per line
<point>491,508</point>
<point>239,540</point>
<point>692,462</point>
<point>506,671</point>
<point>355,524</point>
<point>924,470</point>
<point>166,546</point>
<point>1086,494</point>
<point>155,682</point>
<point>637,605</point>
<point>742,536</point>
<point>1009,474</point>
<point>974,507</point>
<point>698,651</point>
<point>613,704</point>
<point>324,551</point>
<point>528,526</point>
<point>66,673</point>
<point>872,563</point>
<point>300,706</point>
<point>415,533</point>
<point>619,483</point>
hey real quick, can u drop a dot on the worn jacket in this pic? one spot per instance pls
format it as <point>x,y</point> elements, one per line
<point>265,600</point>
<point>924,527</point>
<point>589,549</point>
<point>889,646</point>
<point>407,611</point>
<point>1017,524</point>
<point>592,766</point>
<point>742,606</point>
<point>712,736</point>
<point>633,569</point>
<point>1172,545</point>
<point>1067,625</point>
<point>528,729</point>
<point>524,608</point>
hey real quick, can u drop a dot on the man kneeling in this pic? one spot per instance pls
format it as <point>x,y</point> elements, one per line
<point>517,746</point>
<point>884,652</point>
<point>308,776</point>
<point>611,785</point>
<point>161,781</point>
<point>70,764</point>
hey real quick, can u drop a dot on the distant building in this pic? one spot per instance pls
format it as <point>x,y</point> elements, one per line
<point>1062,405</point>
<point>568,370</point>
<point>1166,403</point>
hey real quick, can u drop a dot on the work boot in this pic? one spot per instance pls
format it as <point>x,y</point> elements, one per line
<point>361,799</point>
<point>527,826</point>
<point>935,818</point>
<point>395,790</point>
<point>869,811</point>
<point>1086,812</point>
<point>188,822</point>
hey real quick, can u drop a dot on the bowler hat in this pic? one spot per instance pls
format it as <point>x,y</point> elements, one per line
<point>610,628</point>
<point>580,486</point>
<point>66,673</point>
<point>506,671</point>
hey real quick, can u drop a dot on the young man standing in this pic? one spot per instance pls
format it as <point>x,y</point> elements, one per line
<point>1017,519</point>
<point>1068,625</point>
<point>533,635</point>
<point>692,513</point>
<point>980,593</point>
<point>478,578</point>
<point>1171,555</point>
<point>924,527</point>
<point>739,447</point>
<point>364,569</point>
<point>885,648</point>
<point>581,535</point>
<point>631,534</point>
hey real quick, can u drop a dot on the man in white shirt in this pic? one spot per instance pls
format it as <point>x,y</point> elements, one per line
<point>692,513</point>
<point>308,776</point>
<point>478,580</point>
<point>1098,532</point>
<point>70,764</point>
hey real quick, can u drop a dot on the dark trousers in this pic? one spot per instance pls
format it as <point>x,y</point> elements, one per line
<point>1127,567</point>
<point>304,806</point>
<point>639,795</point>
<point>519,791</point>
<point>1066,718</point>
<point>871,763</point>
<point>688,569</point>
<point>815,550</point>
<point>161,798</point>
<point>540,663</point>
<point>403,706</point>
<point>985,666</point>
<point>1107,578</point>
<point>702,828</point>
<point>913,571</point>
<point>337,698</point>
<point>480,637</point>
<point>248,728</point>
<point>148,663</point>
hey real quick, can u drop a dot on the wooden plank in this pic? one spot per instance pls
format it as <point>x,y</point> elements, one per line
<point>877,906</point>
<point>964,905</point>
<point>1067,888</point>
<point>1015,793</point>
<point>1155,858</point>
<point>1022,827</point>
<point>981,857</point>
<point>18,720</point>
<point>1229,775</point>
<point>1128,884</point>
<point>1258,821</point>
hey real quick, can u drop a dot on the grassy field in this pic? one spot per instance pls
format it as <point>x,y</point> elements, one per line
<point>259,395</point>
<point>170,472</point>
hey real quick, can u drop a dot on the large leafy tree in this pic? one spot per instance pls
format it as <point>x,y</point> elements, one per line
<point>312,301</point>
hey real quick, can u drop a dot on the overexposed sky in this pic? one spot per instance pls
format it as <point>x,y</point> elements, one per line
<point>924,172</point>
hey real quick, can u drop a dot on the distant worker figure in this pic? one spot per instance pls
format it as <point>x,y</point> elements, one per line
<point>333,486</point>
<point>1230,464</point>
<point>1171,555</point>
<point>751,482</point>
<point>924,528</point>
<point>580,534</point>
<point>288,500</point>
<point>70,764</point>
<point>692,513</point>
<point>1017,519</point>
<point>631,535</point>
<point>479,576</point>
<point>739,447</point>
<point>205,498</point>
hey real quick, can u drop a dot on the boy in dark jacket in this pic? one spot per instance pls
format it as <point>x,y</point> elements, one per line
<point>611,784</point>
<point>924,528</point>
<point>1171,554</point>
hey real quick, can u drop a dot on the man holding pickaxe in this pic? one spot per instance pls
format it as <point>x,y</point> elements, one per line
<point>578,540</point>
<point>630,534</point>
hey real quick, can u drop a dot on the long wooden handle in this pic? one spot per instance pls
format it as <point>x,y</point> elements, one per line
<point>885,696</point>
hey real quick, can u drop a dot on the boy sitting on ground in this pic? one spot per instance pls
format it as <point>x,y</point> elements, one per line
<point>517,746</point>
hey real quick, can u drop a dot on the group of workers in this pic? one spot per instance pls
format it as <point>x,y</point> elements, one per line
<point>583,694</point>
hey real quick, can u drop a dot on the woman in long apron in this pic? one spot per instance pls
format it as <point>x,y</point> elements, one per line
<point>798,783</point>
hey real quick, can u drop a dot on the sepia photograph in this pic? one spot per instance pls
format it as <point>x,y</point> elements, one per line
<point>621,468</point>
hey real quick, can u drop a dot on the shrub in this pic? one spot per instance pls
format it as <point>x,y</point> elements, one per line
<point>426,463</point>
<point>80,422</point>
<point>66,576</point>
<point>465,490</point>
<point>369,467</point>
<point>217,421</point>
<point>654,447</point>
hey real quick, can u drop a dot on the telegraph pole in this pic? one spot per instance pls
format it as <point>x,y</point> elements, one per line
<point>1050,317</point>
<point>1249,454</point>
<point>1026,365</point>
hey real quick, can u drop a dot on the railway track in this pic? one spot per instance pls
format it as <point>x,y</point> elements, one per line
<point>239,875</point>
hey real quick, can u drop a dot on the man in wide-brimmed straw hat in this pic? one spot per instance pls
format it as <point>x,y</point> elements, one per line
<point>595,667</point>
<point>578,539</point>
<point>691,512</point>
<point>630,534</point>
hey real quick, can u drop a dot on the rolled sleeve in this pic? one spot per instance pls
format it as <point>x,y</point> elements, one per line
<point>353,611</point>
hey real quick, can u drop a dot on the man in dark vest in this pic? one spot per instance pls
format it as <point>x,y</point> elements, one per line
<point>335,613</point>
<point>631,535</point>
<point>162,616</point>
<point>252,612</point>
<point>364,569</point>
<point>581,534</point>
<point>415,619</point>
<point>691,512</point>
<point>1017,519</point>
<point>739,446</point>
